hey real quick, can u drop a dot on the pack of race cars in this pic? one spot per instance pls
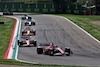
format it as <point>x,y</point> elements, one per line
<point>45,48</point>
<point>25,40</point>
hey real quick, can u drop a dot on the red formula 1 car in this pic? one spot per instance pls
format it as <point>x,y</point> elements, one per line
<point>28,31</point>
<point>26,41</point>
<point>50,49</point>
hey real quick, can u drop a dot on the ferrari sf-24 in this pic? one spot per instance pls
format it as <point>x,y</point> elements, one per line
<point>53,50</point>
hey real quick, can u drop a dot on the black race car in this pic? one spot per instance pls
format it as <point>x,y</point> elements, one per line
<point>7,13</point>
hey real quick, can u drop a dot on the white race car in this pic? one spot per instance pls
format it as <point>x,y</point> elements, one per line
<point>26,17</point>
<point>29,23</point>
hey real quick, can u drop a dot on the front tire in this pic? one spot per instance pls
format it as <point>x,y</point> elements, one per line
<point>25,24</point>
<point>23,18</point>
<point>67,50</point>
<point>33,23</point>
<point>51,52</point>
<point>35,43</point>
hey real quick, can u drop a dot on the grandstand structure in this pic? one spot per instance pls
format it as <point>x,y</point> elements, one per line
<point>41,6</point>
<point>39,1</point>
<point>27,1</point>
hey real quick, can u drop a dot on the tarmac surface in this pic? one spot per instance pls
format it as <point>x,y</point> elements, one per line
<point>62,33</point>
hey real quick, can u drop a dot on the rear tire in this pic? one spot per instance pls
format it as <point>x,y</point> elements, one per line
<point>20,43</point>
<point>34,33</point>
<point>22,33</point>
<point>33,23</point>
<point>67,50</point>
<point>29,18</point>
<point>39,50</point>
<point>51,52</point>
<point>25,24</point>
<point>4,13</point>
<point>23,18</point>
<point>35,43</point>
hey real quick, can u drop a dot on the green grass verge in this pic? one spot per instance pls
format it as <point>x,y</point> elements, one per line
<point>84,22</point>
<point>14,62</point>
<point>5,35</point>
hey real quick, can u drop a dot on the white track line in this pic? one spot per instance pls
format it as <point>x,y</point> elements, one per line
<point>82,30</point>
<point>27,61</point>
<point>18,38</point>
<point>13,41</point>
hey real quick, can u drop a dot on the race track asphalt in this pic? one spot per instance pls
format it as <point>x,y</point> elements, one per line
<point>55,29</point>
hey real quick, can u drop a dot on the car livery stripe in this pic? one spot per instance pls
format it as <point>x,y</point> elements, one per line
<point>10,43</point>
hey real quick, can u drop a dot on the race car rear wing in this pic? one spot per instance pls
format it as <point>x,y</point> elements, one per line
<point>45,44</point>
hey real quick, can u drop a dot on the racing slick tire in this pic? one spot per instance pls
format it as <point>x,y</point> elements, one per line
<point>35,43</point>
<point>35,33</point>
<point>39,50</point>
<point>51,52</point>
<point>29,18</point>
<point>22,33</point>
<point>4,13</point>
<point>25,24</point>
<point>23,18</point>
<point>33,23</point>
<point>20,43</point>
<point>67,50</point>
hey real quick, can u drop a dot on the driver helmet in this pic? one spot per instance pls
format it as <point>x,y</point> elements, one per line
<point>51,44</point>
